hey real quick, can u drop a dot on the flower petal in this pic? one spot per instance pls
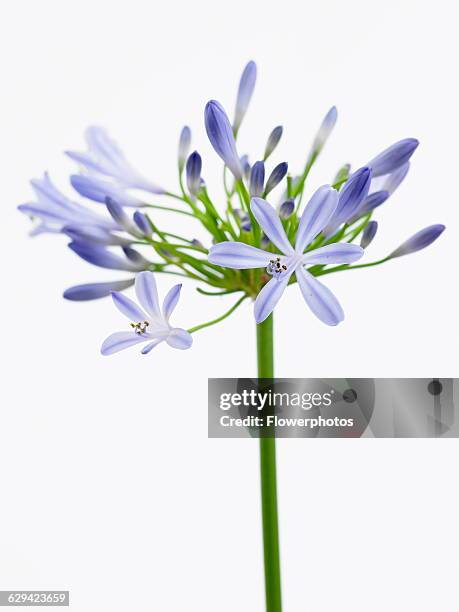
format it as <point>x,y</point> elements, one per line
<point>238,255</point>
<point>119,341</point>
<point>147,293</point>
<point>269,296</point>
<point>170,301</point>
<point>337,253</point>
<point>319,298</point>
<point>128,307</point>
<point>151,345</point>
<point>318,212</point>
<point>179,338</point>
<point>269,221</point>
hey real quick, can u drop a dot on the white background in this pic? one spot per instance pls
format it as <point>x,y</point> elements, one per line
<point>109,485</point>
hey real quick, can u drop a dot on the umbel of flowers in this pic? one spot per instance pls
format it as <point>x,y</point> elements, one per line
<point>262,237</point>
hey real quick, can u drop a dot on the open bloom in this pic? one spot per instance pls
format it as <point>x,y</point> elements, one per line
<point>57,212</point>
<point>148,322</point>
<point>316,216</point>
<point>105,159</point>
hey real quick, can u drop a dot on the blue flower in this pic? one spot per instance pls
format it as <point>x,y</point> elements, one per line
<point>148,322</point>
<point>244,94</point>
<point>393,157</point>
<point>98,190</point>
<point>56,211</point>
<point>316,216</point>
<point>105,158</point>
<point>221,137</point>
<point>420,240</point>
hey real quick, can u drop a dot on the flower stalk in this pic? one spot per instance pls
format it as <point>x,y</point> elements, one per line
<point>268,476</point>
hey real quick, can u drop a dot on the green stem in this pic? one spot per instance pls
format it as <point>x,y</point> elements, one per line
<point>214,321</point>
<point>269,479</point>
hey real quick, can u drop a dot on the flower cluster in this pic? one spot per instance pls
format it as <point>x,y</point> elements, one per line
<point>260,238</point>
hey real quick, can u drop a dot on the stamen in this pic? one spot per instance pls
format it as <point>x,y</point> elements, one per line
<point>140,327</point>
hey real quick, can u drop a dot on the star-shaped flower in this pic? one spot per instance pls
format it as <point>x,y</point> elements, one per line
<point>317,214</point>
<point>148,322</point>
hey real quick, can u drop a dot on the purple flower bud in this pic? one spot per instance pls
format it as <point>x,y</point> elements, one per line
<point>244,219</point>
<point>142,223</point>
<point>257,179</point>
<point>392,158</point>
<point>273,141</point>
<point>118,214</point>
<point>419,241</point>
<point>244,94</point>
<point>395,178</point>
<point>94,291</point>
<point>265,240</point>
<point>221,136</point>
<point>326,127</point>
<point>286,209</point>
<point>136,257</point>
<point>245,167</point>
<point>193,173</point>
<point>184,147</point>
<point>197,243</point>
<point>276,176</point>
<point>353,194</point>
<point>368,234</point>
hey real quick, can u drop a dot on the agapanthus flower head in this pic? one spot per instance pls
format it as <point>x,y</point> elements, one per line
<point>244,94</point>
<point>419,241</point>
<point>111,228</point>
<point>105,158</point>
<point>221,136</point>
<point>393,157</point>
<point>291,260</point>
<point>148,322</point>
